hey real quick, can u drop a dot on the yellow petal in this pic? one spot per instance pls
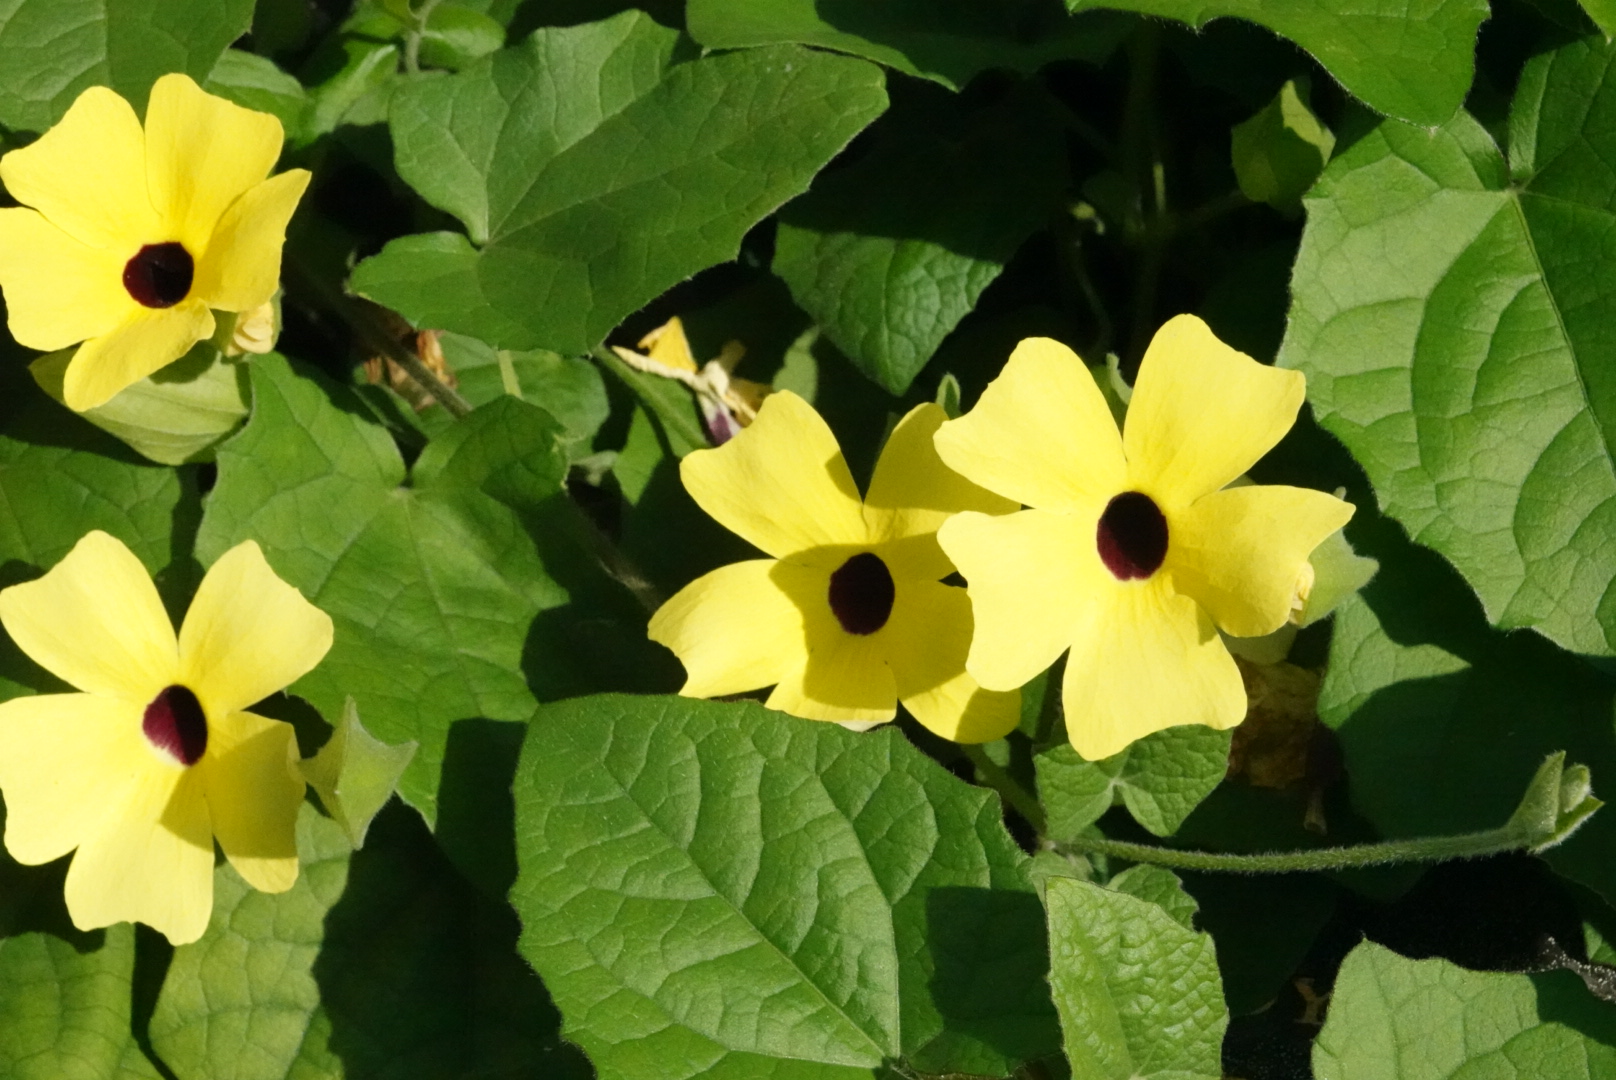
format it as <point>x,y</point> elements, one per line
<point>253,790</point>
<point>668,345</point>
<point>241,267</point>
<point>1239,552</point>
<point>152,862</point>
<point>781,484</point>
<point>1032,575</point>
<point>927,641</point>
<point>95,621</point>
<point>733,629</point>
<point>1148,658</point>
<point>58,290</point>
<point>87,175</point>
<point>68,758</point>
<point>1041,434</point>
<point>202,154</point>
<point>845,678</point>
<point>913,492</point>
<point>148,339</point>
<point>1202,413</point>
<point>248,633</point>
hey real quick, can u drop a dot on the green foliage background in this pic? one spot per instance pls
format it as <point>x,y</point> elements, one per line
<point>1414,203</point>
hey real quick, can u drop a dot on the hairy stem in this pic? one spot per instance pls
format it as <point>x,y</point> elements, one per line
<point>1424,849</point>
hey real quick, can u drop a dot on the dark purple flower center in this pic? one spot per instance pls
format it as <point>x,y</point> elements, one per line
<point>176,725</point>
<point>1132,536</point>
<point>861,593</point>
<point>159,275</point>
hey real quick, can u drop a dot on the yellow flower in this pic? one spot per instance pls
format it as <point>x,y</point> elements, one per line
<point>135,234</point>
<point>1135,552</point>
<point>158,756</point>
<point>850,615</point>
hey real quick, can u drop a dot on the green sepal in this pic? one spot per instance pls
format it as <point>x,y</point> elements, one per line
<point>1557,801</point>
<point>355,773</point>
<point>948,396</point>
<point>1338,572</point>
<point>174,416</point>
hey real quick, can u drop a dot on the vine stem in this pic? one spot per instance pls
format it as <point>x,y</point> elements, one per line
<point>412,40</point>
<point>1423,849</point>
<point>1009,790</point>
<point>365,323</point>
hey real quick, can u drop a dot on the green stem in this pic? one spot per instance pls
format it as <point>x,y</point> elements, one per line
<point>1142,165</point>
<point>412,40</point>
<point>1425,849</point>
<point>1013,793</point>
<point>369,328</point>
<point>507,374</point>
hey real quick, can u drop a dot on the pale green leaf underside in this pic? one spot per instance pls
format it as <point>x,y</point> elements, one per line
<point>719,890</point>
<point>1412,59</point>
<point>1138,992</point>
<point>593,172</point>
<point>1392,1018</point>
<point>1452,313</point>
<point>51,50</point>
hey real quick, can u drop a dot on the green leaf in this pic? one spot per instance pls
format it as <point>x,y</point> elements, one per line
<point>1280,151</point>
<point>257,83</point>
<point>1161,887</point>
<point>64,1006</point>
<point>891,252</point>
<point>947,41</point>
<point>60,478</point>
<point>175,415</point>
<point>354,72</point>
<point>377,963</point>
<point>1442,719</point>
<point>1413,59</point>
<point>1160,779</point>
<point>1138,992</point>
<point>242,1003</point>
<point>594,172</point>
<point>436,589</point>
<point>51,50</point>
<point>720,890</point>
<point>669,403</point>
<point>1450,311</point>
<point>1396,1019</point>
<point>568,388</point>
<point>457,36</point>
<point>355,774</point>
<point>1603,13</point>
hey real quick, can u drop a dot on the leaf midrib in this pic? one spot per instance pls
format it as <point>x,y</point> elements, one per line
<point>880,1053</point>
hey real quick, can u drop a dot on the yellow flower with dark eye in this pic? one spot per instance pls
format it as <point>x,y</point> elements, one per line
<point>849,616</point>
<point>1135,552</point>
<point>158,756</point>
<point>135,234</point>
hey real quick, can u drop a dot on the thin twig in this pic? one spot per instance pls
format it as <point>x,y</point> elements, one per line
<point>362,319</point>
